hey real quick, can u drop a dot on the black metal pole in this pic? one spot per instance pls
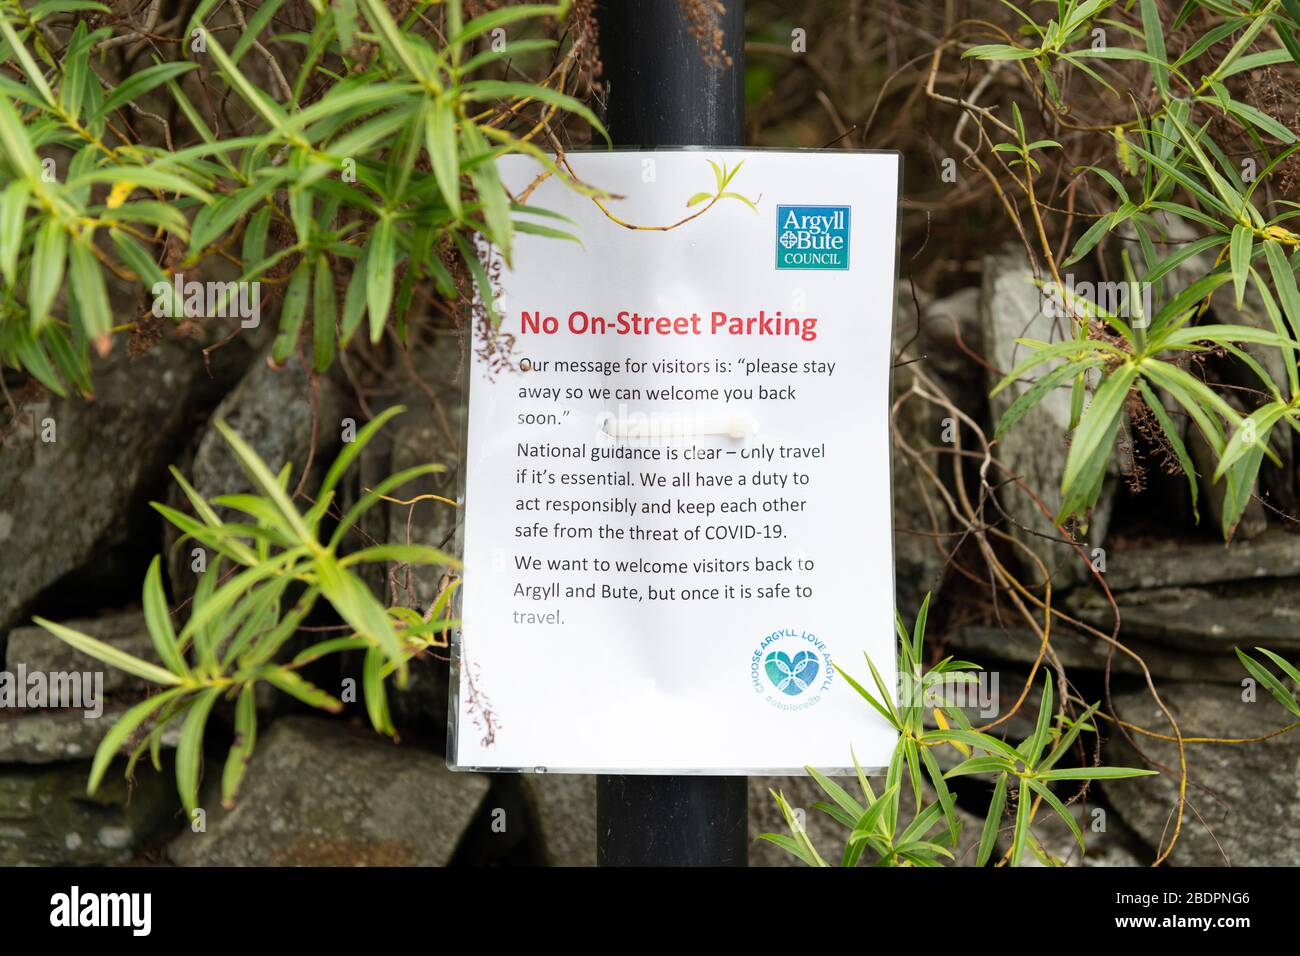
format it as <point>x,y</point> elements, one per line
<point>662,90</point>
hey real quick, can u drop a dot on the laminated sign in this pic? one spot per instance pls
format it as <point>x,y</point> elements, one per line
<point>677,503</point>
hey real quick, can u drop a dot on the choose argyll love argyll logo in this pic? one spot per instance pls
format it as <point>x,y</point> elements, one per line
<point>812,237</point>
<point>792,669</point>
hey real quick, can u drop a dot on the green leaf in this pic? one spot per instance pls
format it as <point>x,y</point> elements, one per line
<point>1039,739</point>
<point>110,655</point>
<point>372,680</point>
<point>34,74</point>
<point>514,50</point>
<point>981,765</point>
<point>1043,353</point>
<point>1153,31</point>
<point>946,799</point>
<point>1285,281</point>
<point>489,191</point>
<point>974,738</point>
<point>879,706</point>
<point>148,177</point>
<point>356,605</point>
<point>262,104</point>
<point>262,15</point>
<point>493,19</point>
<point>380,266</point>
<point>791,846</point>
<point>393,39</point>
<point>1287,667</point>
<point>992,821</point>
<point>13,209</point>
<point>998,51</point>
<point>499,89</point>
<point>45,271</point>
<point>1250,435</point>
<point>1036,392</point>
<point>1061,810</point>
<point>1098,423</point>
<point>257,470</point>
<point>323,316</point>
<point>241,751</point>
<point>89,291</point>
<point>293,685</point>
<point>1279,690</point>
<point>292,312</point>
<point>1024,807</point>
<point>49,8</point>
<point>215,220</point>
<point>403,553</point>
<point>139,83</point>
<point>354,300</point>
<point>443,148</point>
<point>142,264</point>
<point>1095,773</point>
<point>189,748</point>
<point>353,448</point>
<point>122,730</point>
<point>1259,119</point>
<point>836,793</point>
<point>482,285</point>
<point>159,623</point>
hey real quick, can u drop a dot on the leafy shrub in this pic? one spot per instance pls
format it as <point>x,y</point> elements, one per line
<point>1169,163</point>
<point>1023,775</point>
<point>373,160</point>
<point>272,569</point>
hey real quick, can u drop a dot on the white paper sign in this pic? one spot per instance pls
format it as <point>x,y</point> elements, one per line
<point>677,507</point>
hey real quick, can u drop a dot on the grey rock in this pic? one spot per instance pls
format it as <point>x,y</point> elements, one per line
<point>47,819</point>
<point>64,501</point>
<point>1207,620</point>
<point>1113,845</point>
<point>950,331</point>
<point>1083,652</point>
<point>1272,555</point>
<point>1248,795</point>
<point>322,793</point>
<point>565,809</point>
<point>1035,449</point>
<point>39,650</point>
<point>52,736</point>
<point>985,645</point>
<point>271,409</point>
<point>49,736</point>
<point>46,735</point>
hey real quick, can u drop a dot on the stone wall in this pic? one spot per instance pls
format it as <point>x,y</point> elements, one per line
<point>76,536</point>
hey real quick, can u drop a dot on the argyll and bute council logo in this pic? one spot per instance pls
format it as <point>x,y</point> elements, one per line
<point>791,669</point>
<point>812,237</point>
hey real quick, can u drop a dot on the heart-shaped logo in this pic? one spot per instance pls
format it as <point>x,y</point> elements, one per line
<point>791,675</point>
